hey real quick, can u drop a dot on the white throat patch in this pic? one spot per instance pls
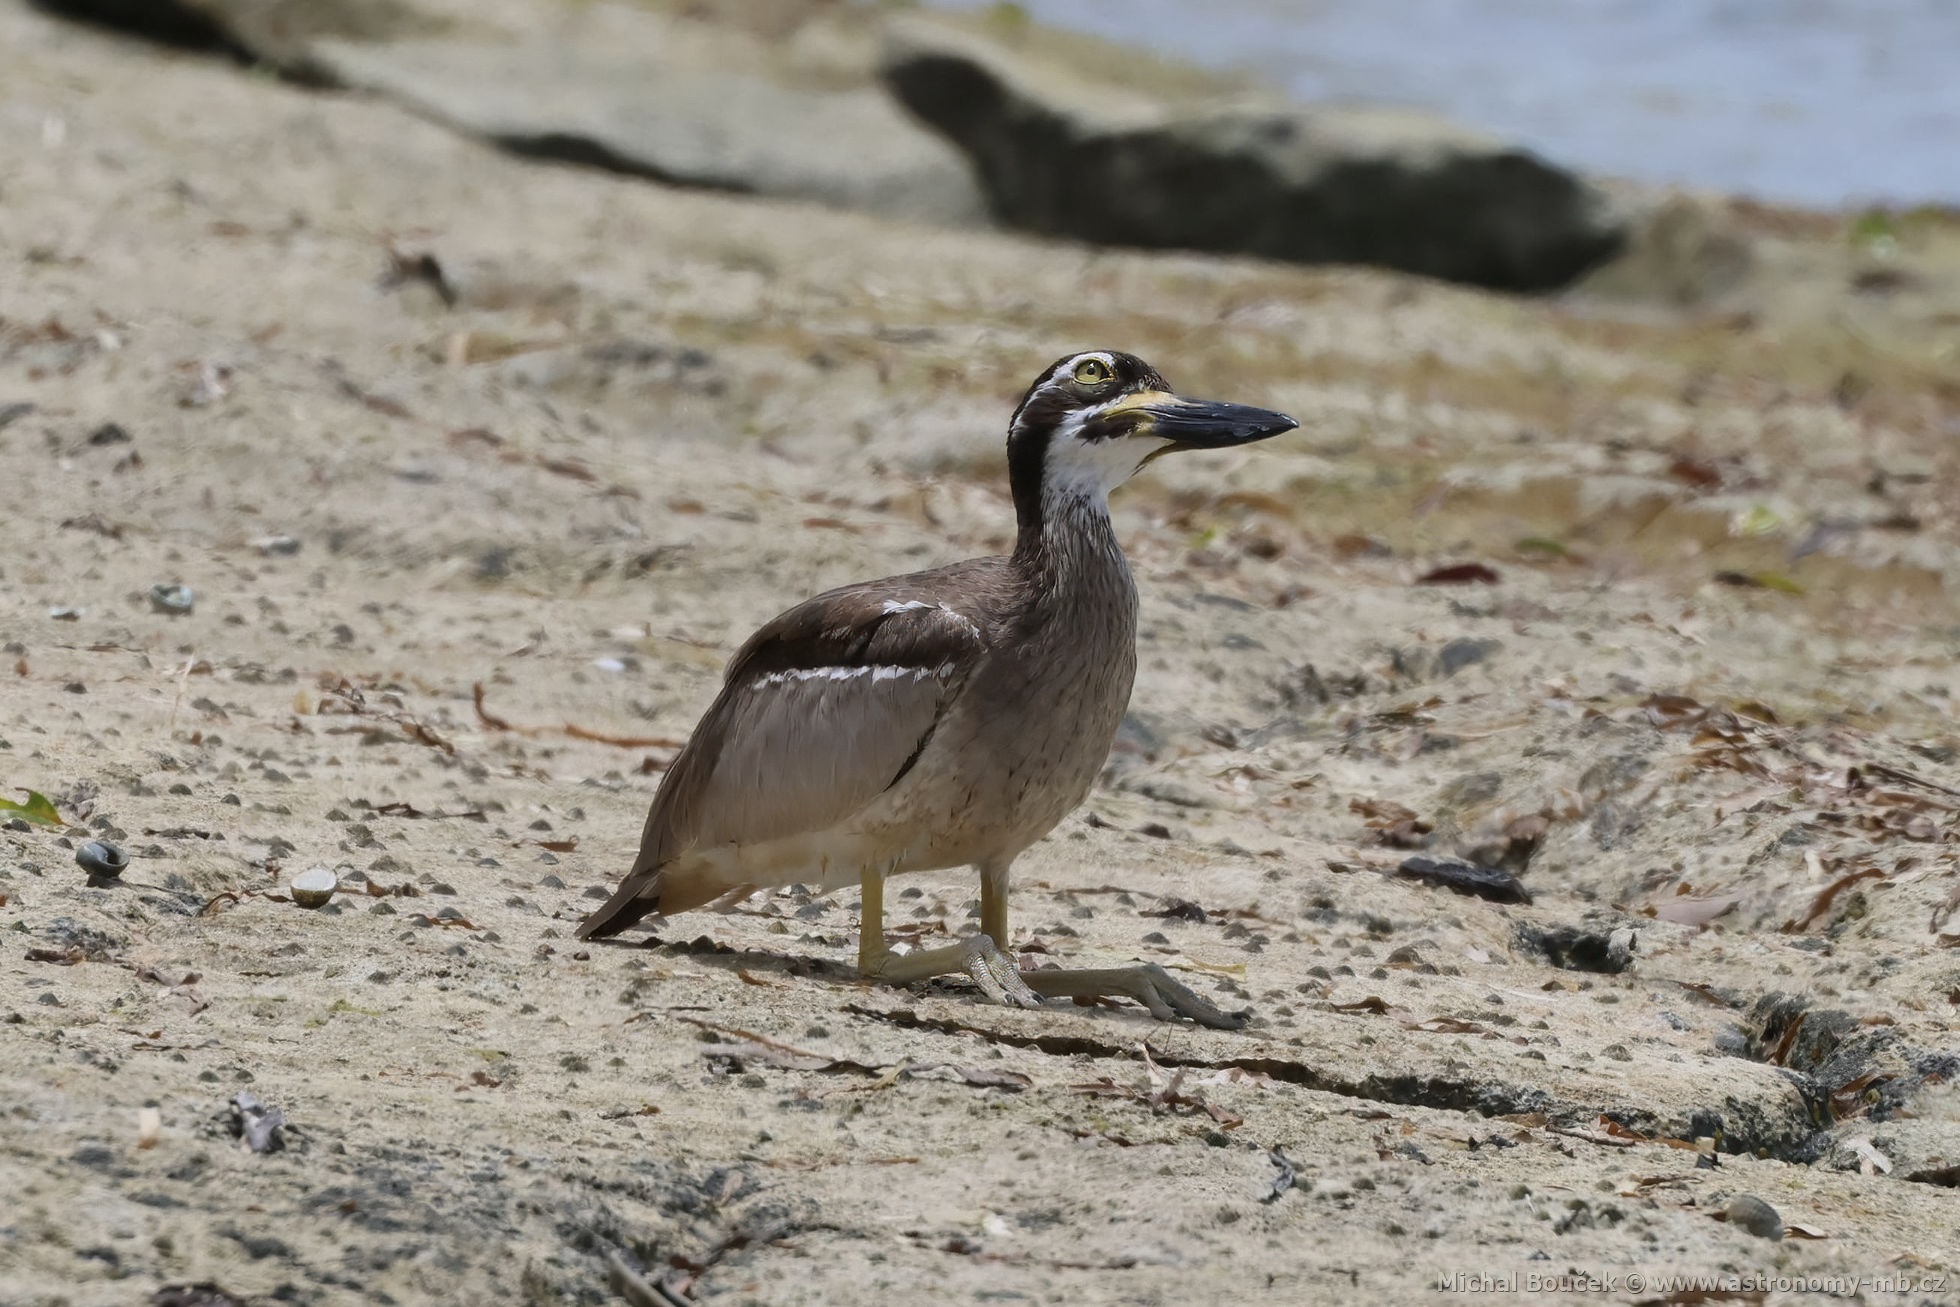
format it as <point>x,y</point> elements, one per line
<point>1090,469</point>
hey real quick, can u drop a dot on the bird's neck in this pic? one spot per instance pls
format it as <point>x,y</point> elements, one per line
<point>1069,554</point>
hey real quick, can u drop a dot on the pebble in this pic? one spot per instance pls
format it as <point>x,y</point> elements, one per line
<point>284,546</point>
<point>176,600</point>
<point>258,1124</point>
<point>312,889</point>
<point>101,858</point>
<point>1756,1216</point>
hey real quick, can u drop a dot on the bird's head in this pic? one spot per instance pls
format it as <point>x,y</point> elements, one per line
<point>1092,420</point>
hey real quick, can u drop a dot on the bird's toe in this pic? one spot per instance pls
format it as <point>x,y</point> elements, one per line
<point>999,979</point>
<point>1169,998</point>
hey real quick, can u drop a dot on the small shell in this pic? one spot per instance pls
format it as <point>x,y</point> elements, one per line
<point>176,600</point>
<point>277,545</point>
<point>1756,1216</point>
<point>312,889</point>
<point>101,858</point>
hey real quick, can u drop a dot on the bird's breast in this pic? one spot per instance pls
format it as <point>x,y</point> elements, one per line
<point>1032,726</point>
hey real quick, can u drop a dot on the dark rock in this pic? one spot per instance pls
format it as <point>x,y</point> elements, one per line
<point>1333,185</point>
<point>1572,949</point>
<point>1748,1212</point>
<point>1854,1071</point>
<point>1465,878</point>
<point>275,32</point>
<point>1176,909</point>
<point>69,935</point>
<point>1786,1030</point>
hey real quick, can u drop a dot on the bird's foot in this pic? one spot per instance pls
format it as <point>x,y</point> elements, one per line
<point>977,955</point>
<point>1149,984</point>
<point>999,979</point>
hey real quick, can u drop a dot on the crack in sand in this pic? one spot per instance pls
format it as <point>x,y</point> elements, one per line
<point>1741,1127</point>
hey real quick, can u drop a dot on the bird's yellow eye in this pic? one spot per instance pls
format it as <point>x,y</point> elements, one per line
<point>1089,372</point>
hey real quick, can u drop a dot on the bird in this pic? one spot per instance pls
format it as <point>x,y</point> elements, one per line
<point>944,718</point>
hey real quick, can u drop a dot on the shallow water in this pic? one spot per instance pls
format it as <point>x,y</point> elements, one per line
<point>1822,102</point>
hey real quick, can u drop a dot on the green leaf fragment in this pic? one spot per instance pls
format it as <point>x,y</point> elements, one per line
<point>1757,520</point>
<point>1772,581</point>
<point>38,809</point>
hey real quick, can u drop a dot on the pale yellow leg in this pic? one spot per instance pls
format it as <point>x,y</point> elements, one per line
<point>993,905</point>
<point>979,956</point>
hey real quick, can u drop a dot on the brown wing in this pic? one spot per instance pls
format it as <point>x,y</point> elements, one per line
<point>823,710</point>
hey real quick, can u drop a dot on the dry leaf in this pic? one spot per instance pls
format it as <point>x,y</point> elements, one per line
<point>1668,711</point>
<point>1870,1160</point>
<point>1822,903</point>
<point>990,1077</point>
<point>1206,968</point>
<point>1460,574</point>
<point>1687,911</point>
<point>65,957</point>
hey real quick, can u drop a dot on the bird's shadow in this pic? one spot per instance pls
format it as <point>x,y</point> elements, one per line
<point>727,957</point>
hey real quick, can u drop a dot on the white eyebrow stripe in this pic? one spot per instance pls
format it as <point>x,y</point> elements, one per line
<point>1068,365</point>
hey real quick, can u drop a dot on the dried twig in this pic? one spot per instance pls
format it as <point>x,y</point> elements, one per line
<point>351,700</point>
<point>639,1291</point>
<point>575,731</point>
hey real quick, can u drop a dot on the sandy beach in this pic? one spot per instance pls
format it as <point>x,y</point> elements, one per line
<point>479,468</point>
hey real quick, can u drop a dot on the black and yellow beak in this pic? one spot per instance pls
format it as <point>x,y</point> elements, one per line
<point>1208,423</point>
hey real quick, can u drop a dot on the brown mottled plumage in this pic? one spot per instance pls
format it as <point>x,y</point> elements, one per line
<point>944,718</point>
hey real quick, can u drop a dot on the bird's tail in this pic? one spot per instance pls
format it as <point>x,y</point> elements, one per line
<point>637,896</point>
